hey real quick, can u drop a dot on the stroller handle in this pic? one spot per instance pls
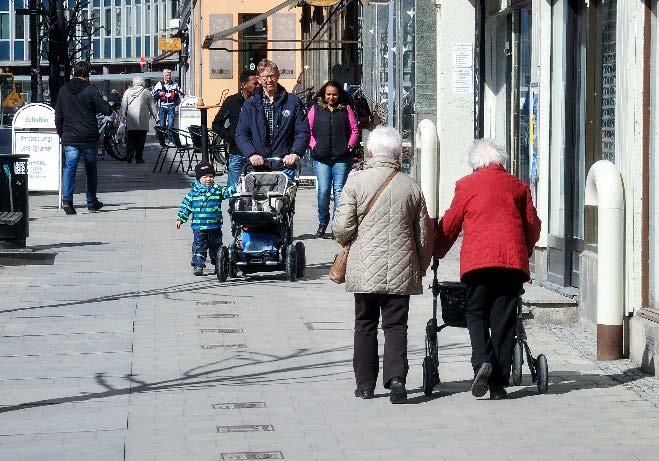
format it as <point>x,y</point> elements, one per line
<point>266,166</point>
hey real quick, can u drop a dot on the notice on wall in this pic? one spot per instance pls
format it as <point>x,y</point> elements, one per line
<point>283,28</point>
<point>463,71</point>
<point>221,61</point>
<point>44,162</point>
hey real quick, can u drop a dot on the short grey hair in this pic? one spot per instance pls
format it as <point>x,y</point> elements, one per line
<point>266,64</point>
<point>138,80</point>
<point>486,152</point>
<point>384,141</point>
<point>164,71</point>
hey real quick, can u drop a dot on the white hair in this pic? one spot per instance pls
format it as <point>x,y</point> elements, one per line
<point>384,141</point>
<point>486,152</point>
<point>138,81</point>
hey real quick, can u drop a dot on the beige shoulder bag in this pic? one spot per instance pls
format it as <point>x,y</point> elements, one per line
<point>337,273</point>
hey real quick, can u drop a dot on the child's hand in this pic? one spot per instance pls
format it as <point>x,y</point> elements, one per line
<point>178,224</point>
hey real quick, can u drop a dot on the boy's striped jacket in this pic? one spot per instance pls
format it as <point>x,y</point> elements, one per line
<point>204,204</point>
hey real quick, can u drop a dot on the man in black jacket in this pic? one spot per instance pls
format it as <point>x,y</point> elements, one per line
<point>78,102</point>
<point>226,120</point>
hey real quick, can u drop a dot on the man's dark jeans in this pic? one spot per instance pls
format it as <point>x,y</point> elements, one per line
<point>493,295</point>
<point>205,241</point>
<point>365,360</point>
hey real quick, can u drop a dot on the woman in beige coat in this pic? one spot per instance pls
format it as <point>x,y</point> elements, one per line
<point>137,104</point>
<point>390,252</point>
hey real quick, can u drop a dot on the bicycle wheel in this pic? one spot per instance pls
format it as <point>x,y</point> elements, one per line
<point>114,149</point>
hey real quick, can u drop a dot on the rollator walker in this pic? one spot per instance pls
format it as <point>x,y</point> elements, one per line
<point>453,297</point>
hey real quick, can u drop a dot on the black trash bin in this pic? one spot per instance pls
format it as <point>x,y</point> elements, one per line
<point>14,219</point>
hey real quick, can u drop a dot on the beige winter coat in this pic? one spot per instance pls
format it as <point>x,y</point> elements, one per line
<point>137,104</point>
<point>394,242</point>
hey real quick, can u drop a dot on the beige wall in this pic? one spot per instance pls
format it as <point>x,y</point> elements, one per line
<point>212,88</point>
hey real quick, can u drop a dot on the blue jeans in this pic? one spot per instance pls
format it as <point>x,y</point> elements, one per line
<point>205,240</point>
<point>167,115</point>
<point>330,175</point>
<point>71,158</point>
<point>235,167</point>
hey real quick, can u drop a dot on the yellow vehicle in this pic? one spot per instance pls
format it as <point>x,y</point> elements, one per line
<point>12,100</point>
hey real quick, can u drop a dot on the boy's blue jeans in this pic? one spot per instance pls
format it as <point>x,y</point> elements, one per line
<point>332,175</point>
<point>205,241</point>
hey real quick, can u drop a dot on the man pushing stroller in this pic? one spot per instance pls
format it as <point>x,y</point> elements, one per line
<point>203,203</point>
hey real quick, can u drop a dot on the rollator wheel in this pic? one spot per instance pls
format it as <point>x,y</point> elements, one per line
<point>518,361</point>
<point>301,259</point>
<point>223,264</point>
<point>291,263</point>
<point>428,376</point>
<point>542,369</point>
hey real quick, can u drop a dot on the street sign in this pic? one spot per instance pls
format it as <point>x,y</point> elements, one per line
<point>169,43</point>
<point>34,134</point>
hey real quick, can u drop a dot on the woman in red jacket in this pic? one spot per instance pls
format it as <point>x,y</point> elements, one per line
<point>501,227</point>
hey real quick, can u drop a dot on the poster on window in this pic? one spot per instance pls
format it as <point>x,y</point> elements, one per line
<point>221,61</point>
<point>283,28</point>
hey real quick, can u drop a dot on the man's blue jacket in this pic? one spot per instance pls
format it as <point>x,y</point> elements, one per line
<point>291,133</point>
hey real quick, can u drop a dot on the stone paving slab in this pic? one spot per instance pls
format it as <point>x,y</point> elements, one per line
<point>178,355</point>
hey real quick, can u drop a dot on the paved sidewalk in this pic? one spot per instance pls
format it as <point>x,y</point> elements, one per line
<point>118,352</point>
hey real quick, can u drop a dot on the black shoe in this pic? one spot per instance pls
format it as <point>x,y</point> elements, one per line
<point>214,263</point>
<point>364,393</point>
<point>68,208</point>
<point>198,270</point>
<point>139,160</point>
<point>497,393</point>
<point>95,206</point>
<point>398,392</point>
<point>480,384</point>
<point>321,230</point>
<point>130,160</point>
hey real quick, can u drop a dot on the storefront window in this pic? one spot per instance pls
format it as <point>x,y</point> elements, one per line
<point>253,52</point>
<point>608,79</point>
<point>524,91</point>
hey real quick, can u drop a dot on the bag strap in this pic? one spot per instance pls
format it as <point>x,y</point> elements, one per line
<point>380,190</point>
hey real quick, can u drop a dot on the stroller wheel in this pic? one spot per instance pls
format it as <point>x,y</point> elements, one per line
<point>429,373</point>
<point>543,373</point>
<point>233,269</point>
<point>223,264</point>
<point>291,263</point>
<point>518,361</point>
<point>301,259</point>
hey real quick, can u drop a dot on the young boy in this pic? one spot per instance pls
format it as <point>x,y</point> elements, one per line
<point>203,202</point>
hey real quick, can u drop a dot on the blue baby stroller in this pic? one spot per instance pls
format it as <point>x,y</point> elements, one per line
<point>453,296</point>
<point>261,214</point>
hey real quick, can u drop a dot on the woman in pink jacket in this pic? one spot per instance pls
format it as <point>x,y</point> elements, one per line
<point>495,212</point>
<point>334,134</point>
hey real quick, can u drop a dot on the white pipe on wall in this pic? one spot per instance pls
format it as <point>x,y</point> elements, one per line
<point>604,189</point>
<point>426,141</point>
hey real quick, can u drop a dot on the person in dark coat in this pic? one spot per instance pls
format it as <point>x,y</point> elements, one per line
<point>226,121</point>
<point>272,123</point>
<point>78,102</point>
<point>334,134</point>
<point>501,227</point>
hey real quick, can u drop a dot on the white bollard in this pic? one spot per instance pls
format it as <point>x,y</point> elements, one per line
<point>426,140</point>
<point>605,190</point>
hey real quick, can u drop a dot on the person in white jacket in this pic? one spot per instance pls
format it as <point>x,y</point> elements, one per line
<point>137,104</point>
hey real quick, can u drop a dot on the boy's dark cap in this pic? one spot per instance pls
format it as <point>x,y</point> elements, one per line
<point>203,169</point>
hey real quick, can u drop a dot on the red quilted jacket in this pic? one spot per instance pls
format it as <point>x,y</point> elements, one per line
<point>500,223</point>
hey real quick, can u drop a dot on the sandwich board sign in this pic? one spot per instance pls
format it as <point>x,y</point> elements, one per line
<point>188,114</point>
<point>33,133</point>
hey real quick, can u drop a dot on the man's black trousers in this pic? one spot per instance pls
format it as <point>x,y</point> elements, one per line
<point>394,324</point>
<point>491,315</point>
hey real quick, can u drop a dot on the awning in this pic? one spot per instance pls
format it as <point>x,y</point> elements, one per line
<point>210,39</point>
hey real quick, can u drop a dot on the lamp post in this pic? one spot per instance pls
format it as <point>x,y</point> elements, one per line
<point>204,128</point>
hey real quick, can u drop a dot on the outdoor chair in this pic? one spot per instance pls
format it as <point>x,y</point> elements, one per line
<point>165,144</point>
<point>183,147</point>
